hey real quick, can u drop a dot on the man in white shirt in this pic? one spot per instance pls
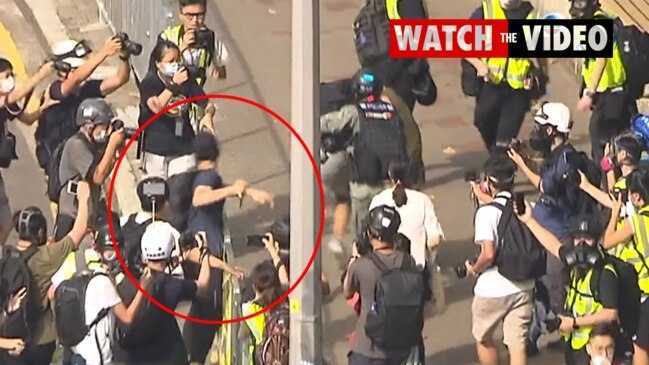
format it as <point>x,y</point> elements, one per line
<point>497,299</point>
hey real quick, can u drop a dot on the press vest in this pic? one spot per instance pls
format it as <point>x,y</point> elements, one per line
<point>175,35</point>
<point>513,70</point>
<point>379,141</point>
<point>255,324</point>
<point>74,263</point>
<point>614,74</point>
<point>619,249</point>
<point>392,7</point>
<point>580,303</point>
<point>637,254</point>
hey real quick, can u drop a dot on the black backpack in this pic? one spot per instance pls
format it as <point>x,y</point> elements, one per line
<point>132,233</point>
<point>14,275</point>
<point>334,95</point>
<point>274,349</point>
<point>69,309</point>
<point>372,33</point>
<point>395,320</point>
<point>469,80</point>
<point>54,183</point>
<point>181,194</point>
<point>519,255</point>
<point>634,47</point>
<point>628,293</point>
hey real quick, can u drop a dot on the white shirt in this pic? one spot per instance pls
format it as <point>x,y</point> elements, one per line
<point>101,293</point>
<point>490,283</point>
<point>418,220</point>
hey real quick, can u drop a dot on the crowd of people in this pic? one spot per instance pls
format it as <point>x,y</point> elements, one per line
<point>574,261</point>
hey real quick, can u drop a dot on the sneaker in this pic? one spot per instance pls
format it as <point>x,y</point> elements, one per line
<point>335,246</point>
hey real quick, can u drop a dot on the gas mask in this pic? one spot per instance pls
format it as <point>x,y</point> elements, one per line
<point>7,85</point>
<point>582,9</point>
<point>109,258</point>
<point>583,256</point>
<point>510,4</point>
<point>540,141</point>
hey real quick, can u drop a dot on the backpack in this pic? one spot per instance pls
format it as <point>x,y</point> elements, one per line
<point>372,33</point>
<point>132,233</point>
<point>181,194</point>
<point>274,349</point>
<point>634,47</point>
<point>628,294</point>
<point>334,95</point>
<point>54,183</point>
<point>69,309</point>
<point>14,275</point>
<point>395,320</point>
<point>469,80</point>
<point>519,255</point>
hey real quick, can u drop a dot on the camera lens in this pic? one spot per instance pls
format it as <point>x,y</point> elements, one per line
<point>129,132</point>
<point>460,271</point>
<point>133,48</point>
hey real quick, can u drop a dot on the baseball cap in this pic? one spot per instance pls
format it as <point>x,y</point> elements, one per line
<point>554,114</point>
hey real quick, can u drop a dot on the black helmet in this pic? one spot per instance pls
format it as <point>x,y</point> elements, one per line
<point>281,231</point>
<point>366,83</point>
<point>384,222</point>
<point>586,225</point>
<point>94,111</point>
<point>101,231</point>
<point>31,226</point>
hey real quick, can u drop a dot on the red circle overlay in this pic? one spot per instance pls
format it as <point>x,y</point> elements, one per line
<point>315,170</point>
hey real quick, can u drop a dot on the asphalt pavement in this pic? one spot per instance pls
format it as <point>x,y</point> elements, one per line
<point>255,148</point>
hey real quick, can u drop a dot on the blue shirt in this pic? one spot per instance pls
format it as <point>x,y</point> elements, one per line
<point>555,217</point>
<point>209,218</point>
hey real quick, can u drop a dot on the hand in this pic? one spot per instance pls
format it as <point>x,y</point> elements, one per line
<point>116,138</point>
<point>188,39</point>
<point>583,180</point>
<point>47,69</point>
<point>47,101</point>
<point>16,300</point>
<point>15,346</point>
<point>607,149</point>
<point>469,269</point>
<point>584,104</point>
<point>240,187</point>
<point>527,215</point>
<point>207,124</point>
<point>262,197</point>
<point>237,272</point>
<point>83,191</point>
<point>146,278</point>
<point>181,76</point>
<point>483,70</point>
<point>617,205</point>
<point>566,324</point>
<point>269,242</point>
<point>112,46</point>
<point>515,157</point>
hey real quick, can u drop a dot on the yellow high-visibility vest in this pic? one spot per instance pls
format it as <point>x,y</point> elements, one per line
<point>256,325</point>
<point>614,74</point>
<point>175,35</point>
<point>513,70</point>
<point>618,250</point>
<point>580,303</point>
<point>638,252</point>
<point>392,6</point>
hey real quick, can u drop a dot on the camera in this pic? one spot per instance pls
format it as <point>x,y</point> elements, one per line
<point>255,240</point>
<point>623,194</point>
<point>194,71</point>
<point>203,37</point>
<point>460,270</point>
<point>504,146</point>
<point>128,132</point>
<point>129,46</point>
<point>552,324</point>
<point>471,176</point>
<point>62,67</point>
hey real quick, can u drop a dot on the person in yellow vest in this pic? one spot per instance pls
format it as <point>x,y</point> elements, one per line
<point>209,55</point>
<point>582,309</point>
<point>636,230</point>
<point>504,99</point>
<point>603,87</point>
<point>267,288</point>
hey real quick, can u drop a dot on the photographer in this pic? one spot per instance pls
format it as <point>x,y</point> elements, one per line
<point>594,291</point>
<point>167,142</point>
<point>498,299</point>
<point>199,46</point>
<point>88,156</point>
<point>75,62</point>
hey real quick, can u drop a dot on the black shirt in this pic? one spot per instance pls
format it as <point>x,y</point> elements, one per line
<point>608,285</point>
<point>161,137</point>
<point>57,123</point>
<point>520,12</point>
<point>7,116</point>
<point>208,218</point>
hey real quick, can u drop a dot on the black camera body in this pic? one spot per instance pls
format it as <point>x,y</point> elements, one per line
<point>129,46</point>
<point>460,270</point>
<point>203,37</point>
<point>62,67</point>
<point>128,132</point>
<point>194,72</point>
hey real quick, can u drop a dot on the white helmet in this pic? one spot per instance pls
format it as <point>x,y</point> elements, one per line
<point>74,51</point>
<point>158,241</point>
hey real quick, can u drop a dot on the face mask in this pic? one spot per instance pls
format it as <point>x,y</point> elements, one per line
<point>7,85</point>
<point>601,360</point>
<point>170,69</point>
<point>510,4</point>
<point>583,255</point>
<point>540,141</point>
<point>102,138</point>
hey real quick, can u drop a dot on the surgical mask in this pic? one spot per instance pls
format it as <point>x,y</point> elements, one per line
<point>510,4</point>
<point>601,360</point>
<point>170,69</point>
<point>540,141</point>
<point>102,138</point>
<point>7,85</point>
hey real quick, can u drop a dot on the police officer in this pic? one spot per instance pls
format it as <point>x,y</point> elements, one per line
<point>505,98</point>
<point>632,237</point>
<point>588,274</point>
<point>603,87</point>
<point>377,140</point>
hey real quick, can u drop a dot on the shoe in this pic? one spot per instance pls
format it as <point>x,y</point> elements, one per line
<point>531,349</point>
<point>335,246</point>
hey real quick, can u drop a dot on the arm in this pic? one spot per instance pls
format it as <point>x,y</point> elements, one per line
<point>20,92</point>
<point>432,226</point>
<point>109,85</point>
<point>107,162</point>
<point>614,236</point>
<point>75,79</point>
<point>204,277</point>
<point>204,195</point>
<point>80,227</point>
<point>336,121</point>
<point>126,314</point>
<point>606,315</point>
<point>595,193</point>
<point>485,259</point>
<point>545,237</point>
<point>159,102</point>
<point>28,118</point>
